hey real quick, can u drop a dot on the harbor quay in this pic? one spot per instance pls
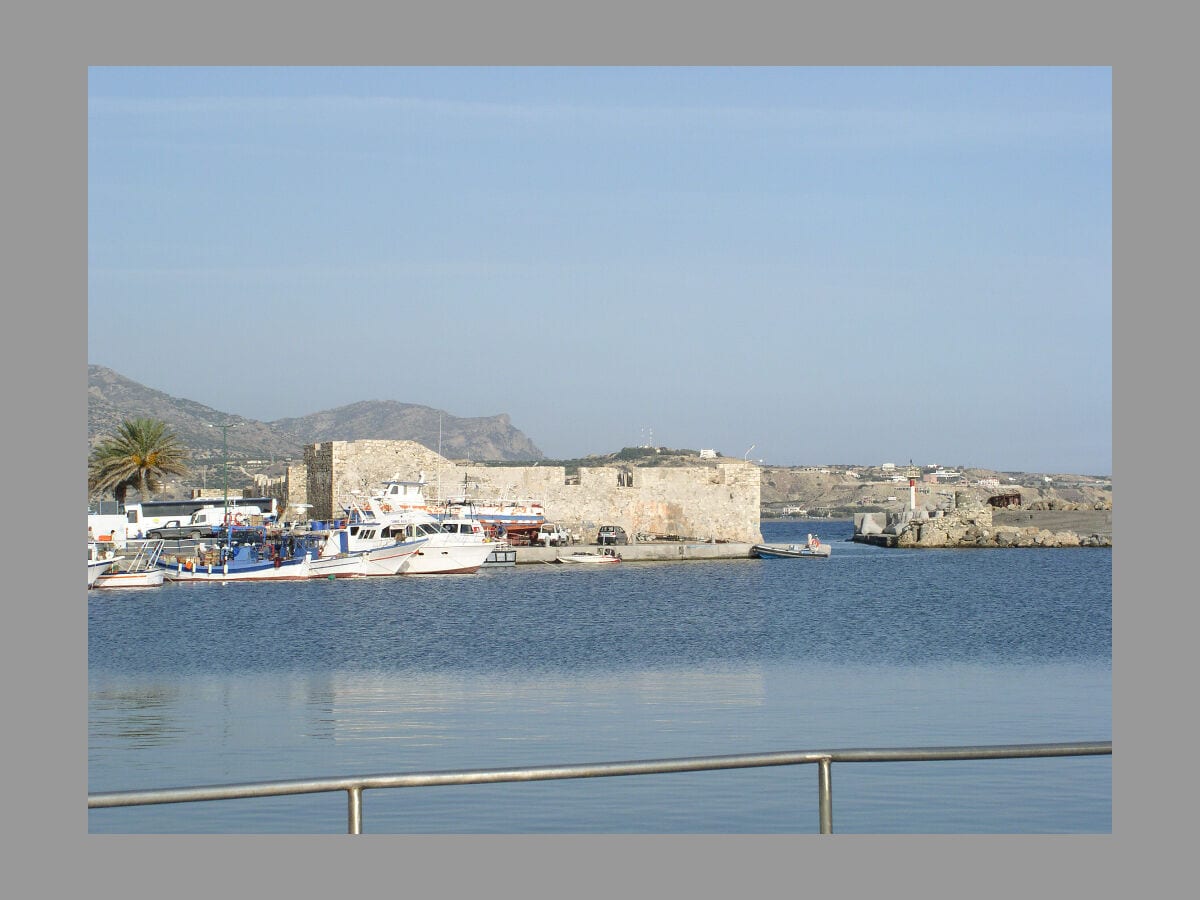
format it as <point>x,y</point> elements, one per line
<point>536,555</point>
<point>651,551</point>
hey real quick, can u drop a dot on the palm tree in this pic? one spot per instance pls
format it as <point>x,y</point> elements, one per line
<point>142,452</point>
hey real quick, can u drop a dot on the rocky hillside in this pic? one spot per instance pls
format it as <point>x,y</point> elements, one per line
<point>262,448</point>
<point>113,398</point>
<point>490,438</point>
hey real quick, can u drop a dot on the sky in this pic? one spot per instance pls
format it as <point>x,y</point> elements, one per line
<point>796,265</point>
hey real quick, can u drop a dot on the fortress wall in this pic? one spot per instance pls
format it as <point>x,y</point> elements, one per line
<point>337,468</point>
<point>318,466</point>
<point>697,502</point>
<point>295,491</point>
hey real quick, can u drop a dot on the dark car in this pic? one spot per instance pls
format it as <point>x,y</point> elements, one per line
<point>612,534</point>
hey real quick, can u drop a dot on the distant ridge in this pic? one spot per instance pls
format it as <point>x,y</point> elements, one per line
<point>113,398</point>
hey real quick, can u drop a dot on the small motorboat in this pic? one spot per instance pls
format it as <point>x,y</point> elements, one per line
<point>143,578</point>
<point>140,570</point>
<point>811,548</point>
<point>608,555</point>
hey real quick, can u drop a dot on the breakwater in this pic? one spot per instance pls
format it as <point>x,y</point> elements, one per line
<point>977,525</point>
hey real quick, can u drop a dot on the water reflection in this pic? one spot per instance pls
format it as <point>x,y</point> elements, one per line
<point>135,717</point>
<point>436,710</point>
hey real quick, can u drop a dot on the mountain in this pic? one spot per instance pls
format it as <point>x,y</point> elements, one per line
<point>491,437</point>
<point>113,398</point>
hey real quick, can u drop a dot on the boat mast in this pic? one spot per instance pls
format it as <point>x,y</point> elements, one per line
<point>439,480</point>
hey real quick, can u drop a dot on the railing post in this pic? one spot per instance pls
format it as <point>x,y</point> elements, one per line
<point>825,794</point>
<point>355,825</point>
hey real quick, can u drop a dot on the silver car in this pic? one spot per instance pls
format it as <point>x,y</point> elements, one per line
<point>612,534</point>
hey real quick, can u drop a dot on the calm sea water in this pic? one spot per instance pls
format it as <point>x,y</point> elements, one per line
<point>212,684</point>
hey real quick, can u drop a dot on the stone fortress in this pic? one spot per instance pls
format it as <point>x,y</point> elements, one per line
<point>717,500</point>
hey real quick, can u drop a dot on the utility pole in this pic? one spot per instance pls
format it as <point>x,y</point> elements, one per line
<point>225,426</point>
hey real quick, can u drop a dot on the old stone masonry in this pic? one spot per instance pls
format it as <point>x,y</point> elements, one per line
<point>971,523</point>
<point>719,501</point>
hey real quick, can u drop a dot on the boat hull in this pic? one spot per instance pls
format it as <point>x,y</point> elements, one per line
<point>590,559</point>
<point>288,570</point>
<point>148,579</point>
<point>791,551</point>
<point>447,559</point>
<point>96,568</point>
<point>501,555</point>
<point>377,562</point>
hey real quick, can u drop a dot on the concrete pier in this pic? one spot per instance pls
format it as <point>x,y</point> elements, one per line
<point>653,551</point>
<point>876,540</point>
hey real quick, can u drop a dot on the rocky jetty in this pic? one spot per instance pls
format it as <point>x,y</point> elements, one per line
<point>972,523</point>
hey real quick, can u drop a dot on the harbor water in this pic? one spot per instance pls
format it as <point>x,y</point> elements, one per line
<point>560,664</point>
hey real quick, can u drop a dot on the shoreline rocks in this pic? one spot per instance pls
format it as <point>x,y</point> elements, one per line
<point>977,525</point>
<point>1001,536</point>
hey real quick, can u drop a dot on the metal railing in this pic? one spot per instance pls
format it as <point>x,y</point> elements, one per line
<point>354,785</point>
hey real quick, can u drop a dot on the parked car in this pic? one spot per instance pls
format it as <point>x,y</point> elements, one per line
<point>550,535</point>
<point>612,534</point>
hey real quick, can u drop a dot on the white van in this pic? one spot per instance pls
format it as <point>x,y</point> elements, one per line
<point>207,522</point>
<point>215,515</point>
<point>550,535</point>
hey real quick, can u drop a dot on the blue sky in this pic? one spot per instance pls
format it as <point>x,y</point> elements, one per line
<point>834,265</point>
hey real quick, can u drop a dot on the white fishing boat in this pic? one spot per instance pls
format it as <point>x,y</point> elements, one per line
<point>363,550</point>
<point>245,554</point>
<point>453,545</point>
<point>506,519</point>
<point>138,571</point>
<point>100,560</point>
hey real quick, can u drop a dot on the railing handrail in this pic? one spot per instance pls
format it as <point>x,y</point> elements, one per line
<point>354,785</point>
